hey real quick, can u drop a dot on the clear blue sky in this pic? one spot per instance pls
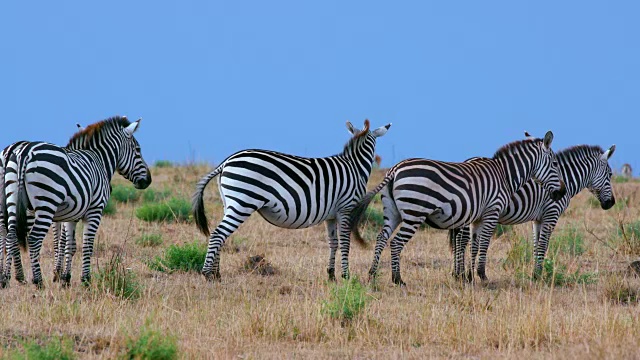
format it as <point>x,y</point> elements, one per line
<point>457,79</point>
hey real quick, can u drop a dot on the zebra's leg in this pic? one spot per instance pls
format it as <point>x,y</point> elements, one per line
<point>231,220</point>
<point>3,239</point>
<point>57,269</point>
<point>484,238</point>
<point>92,222</point>
<point>406,232</point>
<point>461,242</point>
<point>536,243</point>
<point>548,225</point>
<point>333,247</point>
<point>34,241</point>
<point>391,221</point>
<point>345,242</point>
<point>67,251</point>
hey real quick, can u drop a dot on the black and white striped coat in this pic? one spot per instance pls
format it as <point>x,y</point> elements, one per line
<point>291,192</point>
<point>68,184</point>
<point>448,195</point>
<point>582,167</point>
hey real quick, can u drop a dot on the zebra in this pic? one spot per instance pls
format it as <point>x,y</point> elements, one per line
<point>58,231</point>
<point>449,195</point>
<point>582,166</point>
<point>626,171</point>
<point>290,192</point>
<point>67,185</point>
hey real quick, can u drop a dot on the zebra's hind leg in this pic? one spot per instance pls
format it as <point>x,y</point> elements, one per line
<point>58,231</point>
<point>406,232</point>
<point>391,221</point>
<point>231,220</point>
<point>333,248</point>
<point>34,240</point>
<point>91,222</point>
<point>461,240</point>
<point>67,251</point>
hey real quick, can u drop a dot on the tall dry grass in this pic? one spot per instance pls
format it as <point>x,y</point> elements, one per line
<point>282,316</point>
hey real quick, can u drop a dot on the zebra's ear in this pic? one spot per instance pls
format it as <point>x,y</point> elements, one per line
<point>607,154</point>
<point>133,127</point>
<point>351,128</point>
<point>548,138</point>
<point>381,130</point>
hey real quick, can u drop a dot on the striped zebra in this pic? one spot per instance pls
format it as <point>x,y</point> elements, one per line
<point>627,172</point>
<point>448,195</point>
<point>58,231</point>
<point>582,167</point>
<point>290,192</point>
<point>67,185</point>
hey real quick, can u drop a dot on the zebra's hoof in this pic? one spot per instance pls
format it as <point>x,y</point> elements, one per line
<point>85,280</point>
<point>211,276</point>
<point>38,283</point>
<point>345,276</point>
<point>56,277</point>
<point>483,276</point>
<point>332,274</point>
<point>397,279</point>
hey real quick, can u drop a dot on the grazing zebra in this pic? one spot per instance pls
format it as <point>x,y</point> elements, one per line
<point>291,192</point>
<point>626,171</point>
<point>582,167</point>
<point>58,232</point>
<point>69,184</point>
<point>449,195</point>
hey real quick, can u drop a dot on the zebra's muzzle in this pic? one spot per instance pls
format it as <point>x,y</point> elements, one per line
<point>559,194</point>
<point>144,183</point>
<point>608,204</point>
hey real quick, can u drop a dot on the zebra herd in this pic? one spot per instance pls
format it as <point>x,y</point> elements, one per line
<point>524,181</point>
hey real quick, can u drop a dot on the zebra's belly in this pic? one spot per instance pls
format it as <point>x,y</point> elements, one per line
<point>278,217</point>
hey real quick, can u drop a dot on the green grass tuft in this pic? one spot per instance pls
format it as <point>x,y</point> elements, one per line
<point>186,257</point>
<point>567,241</point>
<point>151,195</point>
<point>110,208</point>
<point>114,278</point>
<point>520,255</point>
<point>347,299</point>
<point>149,240</point>
<point>174,209</point>
<point>554,273</point>
<point>628,237</point>
<point>163,164</point>
<point>152,344</point>
<point>54,349</point>
<point>125,193</point>
<point>619,179</point>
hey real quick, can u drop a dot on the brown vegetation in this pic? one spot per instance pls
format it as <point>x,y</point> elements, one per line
<point>281,316</point>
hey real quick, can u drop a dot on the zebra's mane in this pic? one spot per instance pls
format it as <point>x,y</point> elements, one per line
<point>355,137</point>
<point>580,148</point>
<point>506,149</point>
<point>82,138</point>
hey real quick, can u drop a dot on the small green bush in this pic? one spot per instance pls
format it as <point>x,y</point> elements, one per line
<point>502,230</point>
<point>110,208</point>
<point>54,349</point>
<point>152,344</point>
<point>374,217</point>
<point>151,195</point>
<point>568,241</point>
<point>114,278</point>
<point>186,257</point>
<point>174,209</point>
<point>520,255</point>
<point>149,240</point>
<point>619,179</point>
<point>556,274</point>
<point>347,299</point>
<point>628,237</point>
<point>163,164</point>
<point>125,193</point>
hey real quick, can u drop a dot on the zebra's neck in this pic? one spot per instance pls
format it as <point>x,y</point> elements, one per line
<point>517,170</point>
<point>103,152</point>
<point>360,152</point>
<point>576,172</point>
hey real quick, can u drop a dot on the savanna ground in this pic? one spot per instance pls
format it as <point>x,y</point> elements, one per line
<point>589,309</point>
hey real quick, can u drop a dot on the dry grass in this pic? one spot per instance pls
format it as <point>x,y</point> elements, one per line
<point>256,316</point>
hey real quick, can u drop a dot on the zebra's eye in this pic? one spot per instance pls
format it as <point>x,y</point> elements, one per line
<point>555,162</point>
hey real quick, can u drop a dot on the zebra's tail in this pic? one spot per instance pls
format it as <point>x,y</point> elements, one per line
<point>197,204</point>
<point>22,203</point>
<point>360,209</point>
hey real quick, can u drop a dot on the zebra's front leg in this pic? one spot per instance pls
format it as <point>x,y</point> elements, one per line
<point>67,251</point>
<point>91,224</point>
<point>540,250</point>
<point>332,232</point>
<point>406,232</point>
<point>345,242</point>
<point>484,238</point>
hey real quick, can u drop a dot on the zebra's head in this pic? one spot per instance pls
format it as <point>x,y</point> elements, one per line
<point>546,170</point>
<point>600,182</point>
<point>130,163</point>
<point>362,146</point>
